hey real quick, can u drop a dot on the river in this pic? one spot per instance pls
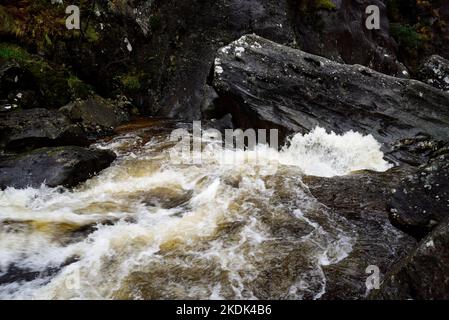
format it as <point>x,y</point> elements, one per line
<point>149,228</point>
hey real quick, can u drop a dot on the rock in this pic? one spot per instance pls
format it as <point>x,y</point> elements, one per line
<point>421,200</point>
<point>361,199</point>
<point>16,86</point>
<point>35,128</point>
<point>435,71</point>
<point>193,30</point>
<point>11,76</point>
<point>59,166</point>
<point>219,124</point>
<point>267,85</point>
<point>208,105</point>
<point>339,33</point>
<point>96,114</point>
<point>160,53</point>
<point>423,274</point>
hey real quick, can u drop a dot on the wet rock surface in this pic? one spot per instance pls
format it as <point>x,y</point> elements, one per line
<point>361,198</point>
<point>421,199</point>
<point>30,129</point>
<point>424,273</point>
<point>59,166</point>
<point>264,84</point>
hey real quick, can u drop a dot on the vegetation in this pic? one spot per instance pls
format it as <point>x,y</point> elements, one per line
<point>406,35</point>
<point>417,28</point>
<point>311,6</point>
<point>130,82</point>
<point>39,24</point>
<point>57,84</point>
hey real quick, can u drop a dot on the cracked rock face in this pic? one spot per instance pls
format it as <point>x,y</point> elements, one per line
<point>266,85</point>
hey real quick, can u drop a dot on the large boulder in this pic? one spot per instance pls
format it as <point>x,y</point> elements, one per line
<point>34,128</point>
<point>421,200</point>
<point>435,71</point>
<point>58,166</point>
<point>266,85</point>
<point>96,114</point>
<point>361,199</point>
<point>423,274</point>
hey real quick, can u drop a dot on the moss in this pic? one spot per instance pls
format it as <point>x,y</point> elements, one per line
<point>325,4</point>
<point>78,88</point>
<point>130,82</point>
<point>406,35</point>
<point>56,84</point>
<point>91,34</point>
<point>411,44</point>
<point>9,51</point>
<point>311,6</point>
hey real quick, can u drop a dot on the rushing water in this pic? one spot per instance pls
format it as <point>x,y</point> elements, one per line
<point>147,228</point>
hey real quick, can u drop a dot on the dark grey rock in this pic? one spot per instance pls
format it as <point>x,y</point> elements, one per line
<point>17,87</point>
<point>58,166</point>
<point>219,124</point>
<point>193,30</point>
<point>423,274</point>
<point>421,200</point>
<point>361,198</point>
<point>35,128</point>
<point>435,71</point>
<point>340,35</point>
<point>96,114</point>
<point>266,85</point>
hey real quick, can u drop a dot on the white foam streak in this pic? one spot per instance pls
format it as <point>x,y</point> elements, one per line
<point>131,228</point>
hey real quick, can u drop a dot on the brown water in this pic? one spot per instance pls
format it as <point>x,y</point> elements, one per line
<point>147,228</point>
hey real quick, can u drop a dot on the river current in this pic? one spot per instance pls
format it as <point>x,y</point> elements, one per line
<point>150,228</point>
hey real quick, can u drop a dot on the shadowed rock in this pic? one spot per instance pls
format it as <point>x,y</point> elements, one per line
<point>65,166</point>
<point>96,114</point>
<point>35,128</point>
<point>424,274</point>
<point>339,33</point>
<point>361,198</point>
<point>421,200</point>
<point>267,85</point>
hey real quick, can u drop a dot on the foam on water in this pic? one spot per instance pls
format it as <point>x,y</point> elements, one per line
<point>327,154</point>
<point>148,228</point>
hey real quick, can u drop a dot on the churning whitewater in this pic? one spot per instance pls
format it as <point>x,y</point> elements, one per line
<point>147,228</point>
